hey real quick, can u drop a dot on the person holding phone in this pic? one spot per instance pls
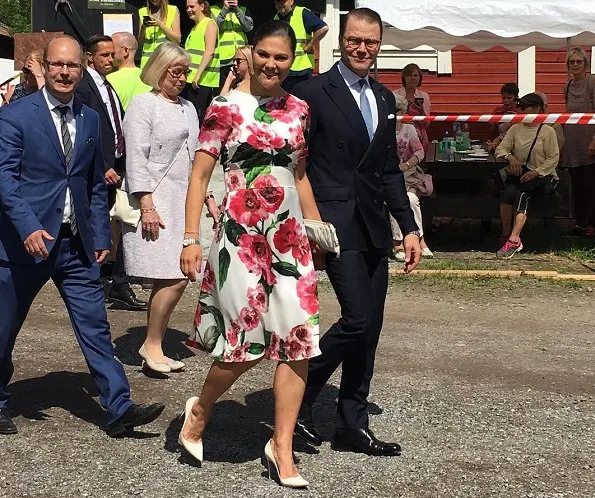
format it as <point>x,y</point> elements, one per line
<point>242,68</point>
<point>234,22</point>
<point>419,101</point>
<point>159,22</point>
<point>202,45</point>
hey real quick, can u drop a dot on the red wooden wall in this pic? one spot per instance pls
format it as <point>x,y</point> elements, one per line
<point>474,85</point>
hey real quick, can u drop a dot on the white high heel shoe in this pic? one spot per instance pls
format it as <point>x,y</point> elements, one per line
<point>156,366</point>
<point>195,449</point>
<point>290,482</point>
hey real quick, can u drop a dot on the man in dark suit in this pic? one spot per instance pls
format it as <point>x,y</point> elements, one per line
<point>354,171</point>
<point>54,224</point>
<point>96,92</point>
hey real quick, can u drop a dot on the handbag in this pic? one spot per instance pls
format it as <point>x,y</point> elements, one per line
<point>422,182</point>
<point>324,234</point>
<point>126,208</point>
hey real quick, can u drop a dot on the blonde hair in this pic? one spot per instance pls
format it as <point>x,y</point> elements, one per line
<point>161,59</point>
<point>246,51</point>
<point>401,102</point>
<point>162,9</point>
<point>580,52</point>
<point>35,55</point>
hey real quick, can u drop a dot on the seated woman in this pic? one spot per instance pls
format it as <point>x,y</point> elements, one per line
<point>532,154</point>
<point>411,154</point>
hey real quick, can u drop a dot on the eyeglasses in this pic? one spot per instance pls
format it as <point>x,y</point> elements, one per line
<point>238,61</point>
<point>576,62</point>
<point>70,66</point>
<point>355,42</point>
<point>176,73</point>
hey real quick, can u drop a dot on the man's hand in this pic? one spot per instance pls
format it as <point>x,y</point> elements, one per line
<point>412,252</point>
<point>112,178</point>
<point>101,255</point>
<point>528,176</point>
<point>35,245</point>
<point>232,4</point>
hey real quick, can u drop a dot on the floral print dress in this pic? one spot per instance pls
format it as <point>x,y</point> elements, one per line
<point>259,289</point>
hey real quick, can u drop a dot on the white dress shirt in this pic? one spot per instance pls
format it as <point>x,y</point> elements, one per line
<point>352,82</point>
<point>53,104</point>
<point>101,83</point>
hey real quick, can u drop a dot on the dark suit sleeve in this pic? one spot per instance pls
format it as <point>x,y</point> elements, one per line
<point>11,148</point>
<point>98,205</point>
<point>393,181</point>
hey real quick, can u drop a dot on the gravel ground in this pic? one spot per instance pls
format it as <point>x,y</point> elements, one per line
<point>488,386</point>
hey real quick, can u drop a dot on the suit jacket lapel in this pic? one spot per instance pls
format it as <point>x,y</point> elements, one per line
<point>79,139</point>
<point>343,99</point>
<point>97,93</point>
<point>43,113</point>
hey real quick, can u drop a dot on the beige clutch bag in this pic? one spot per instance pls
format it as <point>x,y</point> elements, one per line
<point>126,208</point>
<point>324,234</point>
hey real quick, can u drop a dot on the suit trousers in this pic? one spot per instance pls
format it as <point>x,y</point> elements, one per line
<point>80,287</point>
<point>360,281</point>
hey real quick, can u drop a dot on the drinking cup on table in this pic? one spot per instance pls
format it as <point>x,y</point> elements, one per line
<point>476,147</point>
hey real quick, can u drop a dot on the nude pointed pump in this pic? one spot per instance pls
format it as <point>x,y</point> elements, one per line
<point>195,449</point>
<point>289,482</point>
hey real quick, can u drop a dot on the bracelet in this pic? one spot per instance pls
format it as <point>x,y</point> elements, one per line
<point>191,233</point>
<point>147,210</point>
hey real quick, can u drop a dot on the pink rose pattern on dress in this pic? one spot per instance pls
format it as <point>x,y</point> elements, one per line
<point>307,290</point>
<point>261,240</point>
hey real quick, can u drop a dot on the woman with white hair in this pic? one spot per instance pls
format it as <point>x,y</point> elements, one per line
<point>411,154</point>
<point>161,132</point>
<point>578,154</point>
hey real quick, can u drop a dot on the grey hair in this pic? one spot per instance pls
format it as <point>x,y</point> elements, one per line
<point>401,102</point>
<point>580,52</point>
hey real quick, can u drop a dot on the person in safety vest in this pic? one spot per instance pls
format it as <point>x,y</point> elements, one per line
<point>201,45</point>
<point>234,22</point>
<point>309,30</point>
<point>158,22</point>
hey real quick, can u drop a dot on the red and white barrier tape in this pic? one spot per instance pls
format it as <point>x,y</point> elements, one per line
<point>565,118</point>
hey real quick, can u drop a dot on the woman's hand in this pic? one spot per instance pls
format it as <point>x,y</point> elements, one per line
<point>34,67</point>
<point>528,176</point>
<point>195,81</point>
<point>213,210</point>
<point>190,261</point>
<point>514,168</point>
<point>151,223</point>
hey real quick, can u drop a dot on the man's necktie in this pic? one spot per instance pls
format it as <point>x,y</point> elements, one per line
<point>119,134</point>
<point>365,108</point>
<point>67,146</point>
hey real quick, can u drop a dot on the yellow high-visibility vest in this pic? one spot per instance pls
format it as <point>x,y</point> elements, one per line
<point>154,35</point>
<point>196,46</point>
<point>231,34</point>
<point>302,59</point>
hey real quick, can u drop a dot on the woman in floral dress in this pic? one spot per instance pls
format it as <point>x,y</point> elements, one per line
<point>258,297</point>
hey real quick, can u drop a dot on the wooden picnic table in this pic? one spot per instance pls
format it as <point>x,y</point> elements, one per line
<point>469,188</point>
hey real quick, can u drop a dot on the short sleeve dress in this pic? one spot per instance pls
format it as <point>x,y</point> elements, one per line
<point>259,288</point>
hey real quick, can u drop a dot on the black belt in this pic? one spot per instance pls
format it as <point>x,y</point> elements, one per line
<point>65,230</point>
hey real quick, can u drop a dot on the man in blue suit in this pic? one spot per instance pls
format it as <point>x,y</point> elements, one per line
<point>354,172</point>
<point>54,224</point>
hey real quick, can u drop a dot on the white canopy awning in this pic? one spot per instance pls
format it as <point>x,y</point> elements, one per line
<point>482,24</point>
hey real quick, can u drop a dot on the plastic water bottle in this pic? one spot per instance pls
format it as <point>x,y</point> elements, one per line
<point>444,150</point>
<point>458,136</point>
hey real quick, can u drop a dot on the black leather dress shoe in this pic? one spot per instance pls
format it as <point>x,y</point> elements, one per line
<point>306,430</point>
<point>135,416</point>
<point>362,441</point>
<point>123,298</point>
<point>6,424</point>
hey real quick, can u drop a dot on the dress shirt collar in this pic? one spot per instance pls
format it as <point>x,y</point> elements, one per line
<point>53,102</point>
<point>97,78</point>
<point>352,79</point>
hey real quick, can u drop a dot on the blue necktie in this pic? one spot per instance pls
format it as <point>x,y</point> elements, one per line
<point>364,105</point>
